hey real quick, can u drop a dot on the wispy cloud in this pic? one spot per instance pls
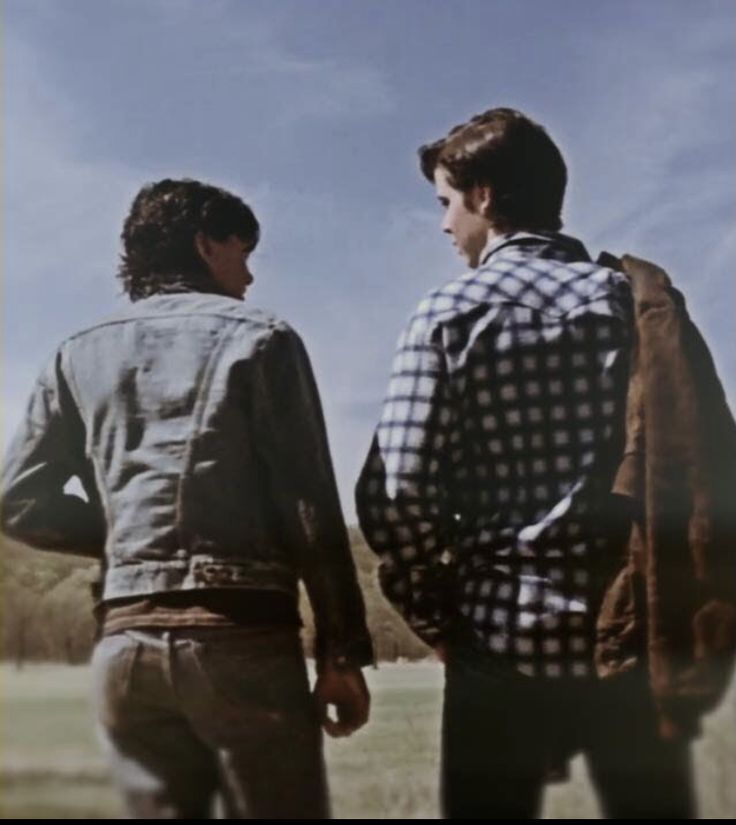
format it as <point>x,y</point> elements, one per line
<point>653,162</point>
<point>239,49</point>
<point>660,135</point>
<point>59,205</point>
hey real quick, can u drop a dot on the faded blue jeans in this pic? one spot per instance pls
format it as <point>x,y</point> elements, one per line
<point>187,714</point>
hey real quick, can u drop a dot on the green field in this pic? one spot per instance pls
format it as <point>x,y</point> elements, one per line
<point>51,768</point>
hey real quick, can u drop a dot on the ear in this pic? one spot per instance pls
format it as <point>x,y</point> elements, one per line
<point>204,247</point>
<point>483,196</point>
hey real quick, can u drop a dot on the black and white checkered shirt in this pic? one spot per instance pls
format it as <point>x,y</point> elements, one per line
<point>485,491</point>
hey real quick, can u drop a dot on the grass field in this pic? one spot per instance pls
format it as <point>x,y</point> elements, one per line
<point>51,768</point>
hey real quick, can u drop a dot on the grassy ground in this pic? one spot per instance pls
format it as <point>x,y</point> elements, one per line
<point>51,769</point>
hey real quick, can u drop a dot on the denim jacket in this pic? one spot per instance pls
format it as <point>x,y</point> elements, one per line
<point>195,427</point>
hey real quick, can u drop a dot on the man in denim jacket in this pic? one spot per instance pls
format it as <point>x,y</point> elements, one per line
<point>195,428</point>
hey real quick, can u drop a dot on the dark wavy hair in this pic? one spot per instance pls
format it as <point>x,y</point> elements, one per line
<point>504,149</point>
<point>159,250</point>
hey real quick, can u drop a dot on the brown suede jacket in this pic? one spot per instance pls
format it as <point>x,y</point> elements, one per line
<point>673,604</point>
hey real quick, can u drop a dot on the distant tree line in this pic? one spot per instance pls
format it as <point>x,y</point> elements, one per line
<point>47,603</point>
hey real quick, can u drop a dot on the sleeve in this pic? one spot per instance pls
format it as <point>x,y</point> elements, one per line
<point>598,346</point>
<point>47,451</point>
<point>292,442</point>
<point>404,496</point>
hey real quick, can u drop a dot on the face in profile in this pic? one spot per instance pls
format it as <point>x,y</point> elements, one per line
<point>227,262</point>
<point>465,216</point>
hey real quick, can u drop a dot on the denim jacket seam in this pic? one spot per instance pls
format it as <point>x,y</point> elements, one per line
<point>198,410</point>
<point>152,317</point>
<point>88,451</point>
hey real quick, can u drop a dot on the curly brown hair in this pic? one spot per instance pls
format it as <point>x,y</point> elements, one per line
<point>159,250</point>
<point>504,149</point>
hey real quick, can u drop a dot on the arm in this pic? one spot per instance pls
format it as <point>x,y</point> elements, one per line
<point>403,495</point>
<point>293,446</point>
<point>46,452</point>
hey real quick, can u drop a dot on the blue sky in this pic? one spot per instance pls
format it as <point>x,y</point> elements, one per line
<point>312,111</point>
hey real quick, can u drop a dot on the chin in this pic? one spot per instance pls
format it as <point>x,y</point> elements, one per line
<point>472,261</point>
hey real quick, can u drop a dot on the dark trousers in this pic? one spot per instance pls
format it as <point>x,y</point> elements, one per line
<point>186,714</point>
<point>502,732</point>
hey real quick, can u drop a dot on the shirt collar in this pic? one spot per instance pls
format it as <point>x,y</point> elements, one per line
<point>560,245</point>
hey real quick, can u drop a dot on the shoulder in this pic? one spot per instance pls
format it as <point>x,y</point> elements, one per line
<point>192,308</point>
<point>595,290</point>
<point>441,305</point>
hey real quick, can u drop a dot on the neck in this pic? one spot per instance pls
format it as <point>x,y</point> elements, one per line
<point>496,235</point>
<point>493,237</point>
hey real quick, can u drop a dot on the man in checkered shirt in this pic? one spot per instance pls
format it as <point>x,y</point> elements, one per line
<point>486,489</point>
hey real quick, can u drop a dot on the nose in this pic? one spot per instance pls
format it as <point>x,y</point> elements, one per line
<point>248,277</point>
<point>446,225</point>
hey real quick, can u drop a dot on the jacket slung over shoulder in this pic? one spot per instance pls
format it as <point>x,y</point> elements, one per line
<point>674,602</point>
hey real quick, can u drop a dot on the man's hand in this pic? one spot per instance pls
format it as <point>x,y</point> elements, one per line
<point>348,692</point>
